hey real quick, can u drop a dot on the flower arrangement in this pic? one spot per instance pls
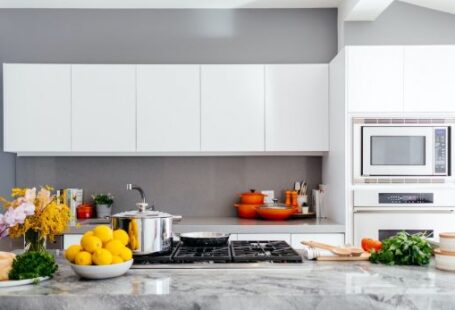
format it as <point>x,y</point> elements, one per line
<point>103,199</point>
<point>34,215</point>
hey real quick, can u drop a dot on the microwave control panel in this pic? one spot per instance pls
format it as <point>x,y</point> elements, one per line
<point>406,198</point>
<point>440,150</point>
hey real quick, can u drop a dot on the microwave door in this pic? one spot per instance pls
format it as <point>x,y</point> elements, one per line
<point>397,151</point>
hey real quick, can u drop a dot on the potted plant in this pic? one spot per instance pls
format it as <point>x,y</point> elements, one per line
<point>103,204</point>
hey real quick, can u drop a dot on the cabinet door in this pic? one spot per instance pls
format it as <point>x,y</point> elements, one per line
<point>332,239</point>
<point>168,108</point>
<point>375,78</point>
<point>104,108</point>
<point>232,108</point>
<point>37,107</point>
<point>264,237</point>
<point>429,75</point>
<point>297,98</point>
<point>69,240</point>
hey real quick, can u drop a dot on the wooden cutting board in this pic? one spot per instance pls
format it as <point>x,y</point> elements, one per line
<point>364,257</point>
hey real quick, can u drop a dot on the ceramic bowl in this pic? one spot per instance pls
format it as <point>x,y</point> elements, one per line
<point>102,272</point>
<point>444,261</point>
<point>447,242</point>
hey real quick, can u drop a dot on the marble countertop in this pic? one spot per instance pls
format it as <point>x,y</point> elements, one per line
<point>237,225</point>
<point>313,285</point>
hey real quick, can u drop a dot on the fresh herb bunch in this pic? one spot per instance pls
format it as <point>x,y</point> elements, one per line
<point>31,265</point>
<point>103,199</point>
<point>403,249</point>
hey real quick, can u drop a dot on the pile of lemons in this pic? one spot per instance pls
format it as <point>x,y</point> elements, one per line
<point>100,246</point>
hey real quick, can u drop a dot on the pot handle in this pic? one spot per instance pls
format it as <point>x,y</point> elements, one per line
<point>177,218</point>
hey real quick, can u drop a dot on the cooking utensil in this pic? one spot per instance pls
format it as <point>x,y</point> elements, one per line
<point>334,249</point>
<point>246,211</point>
<point>204,238</point>
<point>252,198</point>
<point>275,211</point>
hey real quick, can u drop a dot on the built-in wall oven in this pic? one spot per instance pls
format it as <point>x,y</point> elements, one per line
<point>387,149</point>
<point>381,212</point>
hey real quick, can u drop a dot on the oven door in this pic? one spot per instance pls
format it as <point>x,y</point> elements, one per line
<point>397,151</point>
<point>383,224</point>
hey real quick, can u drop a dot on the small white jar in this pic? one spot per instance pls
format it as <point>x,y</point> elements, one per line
<point>447,242</point>
<point>444,261</point>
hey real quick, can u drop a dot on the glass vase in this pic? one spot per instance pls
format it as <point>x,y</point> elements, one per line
<point>34,242</point>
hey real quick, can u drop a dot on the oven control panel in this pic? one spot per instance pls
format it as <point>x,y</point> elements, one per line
<point>406,198</point>
<point>440,150</point>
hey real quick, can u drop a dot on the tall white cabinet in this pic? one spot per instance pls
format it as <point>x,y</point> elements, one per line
<point>232,108</point>
<point>104,108</point>
<point>168,108</point>
<point>297,102</point>
<point>37,107</point>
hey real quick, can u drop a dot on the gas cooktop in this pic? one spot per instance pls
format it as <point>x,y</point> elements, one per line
<point>232,253</point>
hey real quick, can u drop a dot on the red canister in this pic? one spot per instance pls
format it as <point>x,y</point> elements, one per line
<point>84,211</point>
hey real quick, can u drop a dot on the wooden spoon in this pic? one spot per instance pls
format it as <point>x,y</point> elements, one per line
<point>334,249</point>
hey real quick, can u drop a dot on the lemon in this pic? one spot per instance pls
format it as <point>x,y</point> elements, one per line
<point>103,232</point>
<point>116,259</point>
<point>126,254</point>
<point>83,258</point>
<point>70,253</point>
<point>122,236</point>
<point>102,257</point>
<point>91,243</point>
<point>114,246</point>
<point>88,233</point>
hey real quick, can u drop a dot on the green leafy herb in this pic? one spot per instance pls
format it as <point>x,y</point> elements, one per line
<point>403,249</point>
<point>32,265</point>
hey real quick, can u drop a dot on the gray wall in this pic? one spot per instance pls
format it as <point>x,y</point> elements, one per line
<point>190,186</point>
<point>403,23</point>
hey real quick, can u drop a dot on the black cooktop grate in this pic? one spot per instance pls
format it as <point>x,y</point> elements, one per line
<point>273,251</point>
<point>189,254</point>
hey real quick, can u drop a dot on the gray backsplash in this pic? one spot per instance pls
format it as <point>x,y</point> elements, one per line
<point>190,186</point>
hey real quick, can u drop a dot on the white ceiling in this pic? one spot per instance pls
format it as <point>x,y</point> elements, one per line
<point>440,5</point>
<point>168,4</point>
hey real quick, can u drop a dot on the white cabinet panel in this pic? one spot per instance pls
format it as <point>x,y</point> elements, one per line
<point>297,98</point>
<point>69,240</point>
<point>37,107</point>
<point>104,108</point>
<point>264,237</point>
<point>375,78</point>
<point>332,239</point>
<point>429,75</point>
<point>232,108</point>
<point>168,108</point>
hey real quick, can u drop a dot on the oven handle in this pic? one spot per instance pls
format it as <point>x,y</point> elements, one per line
<point>407,211</point>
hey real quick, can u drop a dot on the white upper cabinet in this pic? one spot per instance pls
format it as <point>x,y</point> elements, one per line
<point>168,108</point>
<point>297,99</point>
<point>37,103</point>
<point>232,108</point>
<point>104,108</point>
<point>429,75</point>
<point>375,78</point>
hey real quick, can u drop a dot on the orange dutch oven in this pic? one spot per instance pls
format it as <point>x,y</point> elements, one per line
<point>252,198</point>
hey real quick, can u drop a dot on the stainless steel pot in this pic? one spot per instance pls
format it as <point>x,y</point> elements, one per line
<point>149,231</point>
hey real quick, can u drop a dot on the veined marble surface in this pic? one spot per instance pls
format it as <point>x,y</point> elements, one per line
<point>314,285</point>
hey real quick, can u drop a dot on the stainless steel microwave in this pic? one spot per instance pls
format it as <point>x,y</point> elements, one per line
<point>391,149</point>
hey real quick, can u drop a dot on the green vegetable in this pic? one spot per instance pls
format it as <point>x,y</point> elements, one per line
<point>32,265</point>
<point>403,249</point>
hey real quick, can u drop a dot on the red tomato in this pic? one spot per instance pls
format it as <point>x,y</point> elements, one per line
<point>371,244</point>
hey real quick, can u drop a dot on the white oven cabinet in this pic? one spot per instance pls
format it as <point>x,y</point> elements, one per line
<point>70,239</point>
<point>168,108</point>
<point>297,102</point>
<point>264,237</point>
<point>37,107</point>
<point>374,78</point>
<point>232,108</point>
<point>104,108</point>
<point>429,75</point>
<point>330,238</point>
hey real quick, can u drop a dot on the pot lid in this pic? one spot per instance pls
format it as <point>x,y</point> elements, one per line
<point>142,214</point>
<point>252,192</point>
<point>276,205</point>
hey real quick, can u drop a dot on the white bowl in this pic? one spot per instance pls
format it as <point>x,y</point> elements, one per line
<point>102,272</point>
<point>447,242</point>
<point>444,261</point>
